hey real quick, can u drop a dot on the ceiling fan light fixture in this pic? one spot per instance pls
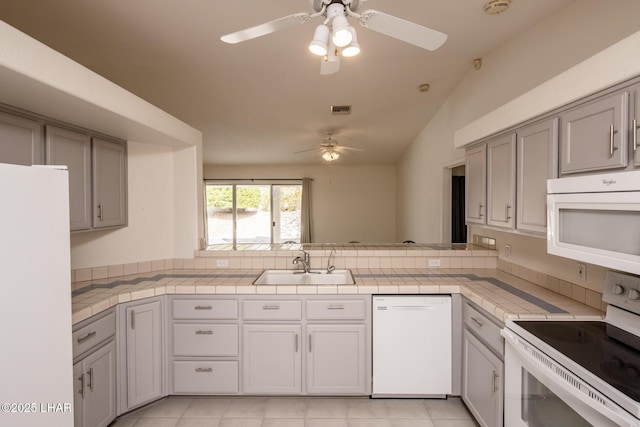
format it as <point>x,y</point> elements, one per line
<point>341,34</point>
<point>353,48</point>
<point>330,155</point>
<point>318,45</point>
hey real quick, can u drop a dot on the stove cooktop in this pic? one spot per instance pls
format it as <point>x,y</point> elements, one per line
<point>606,351</point>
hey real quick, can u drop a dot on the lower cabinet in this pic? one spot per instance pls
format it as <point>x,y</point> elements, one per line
<point>142,371</point>
<point>336,359</point>
<point>483,369</point>
<point>271,359</point>
<point>95,388</point>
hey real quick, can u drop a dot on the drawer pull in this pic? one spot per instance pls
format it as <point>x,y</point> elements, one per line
<point>204,369</point>
<point>271,307</point>
<point>335,307</point>
<point>204,332</point>
<point>203,307</point>
<point>86,337</point>
<point>477,322</point>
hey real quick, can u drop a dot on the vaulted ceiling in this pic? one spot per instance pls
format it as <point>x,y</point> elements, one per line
<point>260,101</point>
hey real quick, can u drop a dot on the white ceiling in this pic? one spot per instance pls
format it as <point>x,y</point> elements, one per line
<point>259,101</point>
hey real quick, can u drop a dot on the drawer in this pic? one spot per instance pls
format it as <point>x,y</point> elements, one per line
<point>483,328</point>
<point>94,333</point>
<point>205,377</point>
<point>336,309</point>
<point>201,309</point>
<point>205,340</point>
<point>272,310</point>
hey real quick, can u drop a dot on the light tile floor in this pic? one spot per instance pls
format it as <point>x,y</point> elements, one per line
<point>299,412</point>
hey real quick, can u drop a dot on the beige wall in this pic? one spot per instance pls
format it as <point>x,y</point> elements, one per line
<point>576,33</point>
<point>348,202</point>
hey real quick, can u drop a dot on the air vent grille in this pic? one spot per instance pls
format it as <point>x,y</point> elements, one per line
<point>340,110</point>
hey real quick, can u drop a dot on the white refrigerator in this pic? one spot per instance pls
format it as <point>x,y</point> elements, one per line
<point>36,384</point>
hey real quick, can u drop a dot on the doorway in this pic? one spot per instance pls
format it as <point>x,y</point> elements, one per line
<point>458,226</point>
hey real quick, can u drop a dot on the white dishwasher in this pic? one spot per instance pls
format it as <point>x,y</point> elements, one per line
<point>412,346</point>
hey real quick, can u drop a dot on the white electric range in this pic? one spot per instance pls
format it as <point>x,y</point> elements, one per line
<point>576,372</point>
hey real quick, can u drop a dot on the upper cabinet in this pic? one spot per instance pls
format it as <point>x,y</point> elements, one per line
<point>537,161</point>
<point>97,166</point>
<point>594,135</point>
<point>73,149</point>
<point>501,177</point>
<point>475,183</point>
<point>109,167</point>
<point>20,141</point>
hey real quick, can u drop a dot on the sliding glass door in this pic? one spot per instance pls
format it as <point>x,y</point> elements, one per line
<point>240,213</point>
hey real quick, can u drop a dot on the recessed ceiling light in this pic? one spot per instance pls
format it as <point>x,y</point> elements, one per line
<point>496,6</point>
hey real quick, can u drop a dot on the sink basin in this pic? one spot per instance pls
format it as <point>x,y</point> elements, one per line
<point>295,277</point>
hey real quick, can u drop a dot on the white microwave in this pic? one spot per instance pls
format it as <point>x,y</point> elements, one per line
<point>596,219</point>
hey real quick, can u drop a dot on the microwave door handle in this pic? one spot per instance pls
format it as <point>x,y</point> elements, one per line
<point>561,388</point>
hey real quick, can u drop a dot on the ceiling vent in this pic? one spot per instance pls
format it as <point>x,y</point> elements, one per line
<point>340,110</point>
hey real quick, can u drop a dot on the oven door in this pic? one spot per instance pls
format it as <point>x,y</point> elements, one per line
<point>539,392</point>
<point>598,228</point>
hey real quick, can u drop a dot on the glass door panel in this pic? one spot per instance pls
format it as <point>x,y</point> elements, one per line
<point>253,214</point>
<point>287,207</point>
<point>219,214</point>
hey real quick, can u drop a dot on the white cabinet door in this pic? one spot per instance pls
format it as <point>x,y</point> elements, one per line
<point>482,389</point>
<point>20,141</point>
<point>476,184</point>
<point>501,179</point>
<point>73,149</point>
<point>109,184</point>
<point>144,353</point>
<point>336,359</point>
<point>271,359</point>
<point>537,150</point>
<point>594,135</point>
<point>95,388</point>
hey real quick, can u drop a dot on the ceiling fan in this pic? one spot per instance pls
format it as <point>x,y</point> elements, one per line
<point>330,149</point>
<point>335,37</point>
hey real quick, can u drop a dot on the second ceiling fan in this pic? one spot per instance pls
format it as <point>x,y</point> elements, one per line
<point>335,37</point>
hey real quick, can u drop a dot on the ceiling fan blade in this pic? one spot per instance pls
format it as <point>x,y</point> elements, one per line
<point>308,149</point>
<point>266,28</point>
<point>343,147</point>
<point>401,29</point>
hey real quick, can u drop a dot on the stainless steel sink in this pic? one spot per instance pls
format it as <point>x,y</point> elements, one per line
<point>296,277</point>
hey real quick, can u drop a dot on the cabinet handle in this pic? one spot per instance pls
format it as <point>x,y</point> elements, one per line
<point>611,147</point>
<point>494,382</point>
<point>86,337</point>
<point>90,375</point>
<point>480,210</point>
<point>309,343</point>
<point>508,212</point>
<point>133,320</point>
<point>296,343</point>
<point>204,332</point>
<point>635,135</point>
<point>204,369</point>
<point>203,307</point>
<point>81,379</point>
<point>335,307</point>
<point>271,307</point>
<point>100,211</point>
<point>477,322</point>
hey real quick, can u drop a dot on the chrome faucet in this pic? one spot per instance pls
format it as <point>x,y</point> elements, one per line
<point>304,260</point>
<point>330,267</point>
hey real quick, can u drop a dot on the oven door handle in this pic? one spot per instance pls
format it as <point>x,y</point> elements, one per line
<point>566,392</point>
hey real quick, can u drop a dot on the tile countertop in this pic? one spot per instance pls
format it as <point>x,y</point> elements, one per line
<point>499,293</point>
